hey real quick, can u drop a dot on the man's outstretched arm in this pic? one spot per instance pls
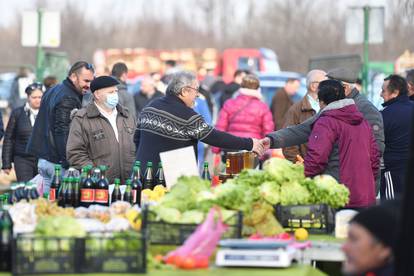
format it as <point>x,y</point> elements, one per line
<point>292,135</point>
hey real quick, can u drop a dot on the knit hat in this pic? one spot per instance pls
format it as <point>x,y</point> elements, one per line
<point>381,221</point>
<point>103,82</point>
<point>250,82</point>
<point>342,74</point>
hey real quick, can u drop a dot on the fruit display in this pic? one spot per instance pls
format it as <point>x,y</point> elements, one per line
<point>45,208</point>
<point>46,218</point>
<point>154,195</point>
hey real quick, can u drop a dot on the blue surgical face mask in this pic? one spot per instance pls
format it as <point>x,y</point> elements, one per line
<point>112,100</point>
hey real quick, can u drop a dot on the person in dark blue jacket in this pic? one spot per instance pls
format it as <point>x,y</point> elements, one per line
<point>397,115</point>
<point>51,129</point>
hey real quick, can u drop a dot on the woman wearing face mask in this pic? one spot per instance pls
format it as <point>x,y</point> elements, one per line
<point>102,132</point>
<point>18,131</point>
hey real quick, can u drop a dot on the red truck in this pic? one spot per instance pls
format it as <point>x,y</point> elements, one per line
<point>142,61</point>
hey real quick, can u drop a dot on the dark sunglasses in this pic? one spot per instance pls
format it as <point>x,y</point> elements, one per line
<point>35,86</point>
<point>82,64</point>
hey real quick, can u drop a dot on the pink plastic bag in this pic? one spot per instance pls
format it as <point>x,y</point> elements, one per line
<point>205,238</point>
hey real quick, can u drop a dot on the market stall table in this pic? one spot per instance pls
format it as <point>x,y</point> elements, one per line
<point>292,271</point>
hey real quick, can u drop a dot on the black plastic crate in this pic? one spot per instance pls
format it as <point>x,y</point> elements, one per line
<point>36,255</point>
<point>163,233</point>
<point>98,253</point>
<point>318,218</point>
<point>114,254</point>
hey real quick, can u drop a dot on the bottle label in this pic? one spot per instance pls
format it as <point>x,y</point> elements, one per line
<point>227,163</point>
<point>101,196</point>
<point>134,195</point>
<point>87,195</point>
<point>52,194</point>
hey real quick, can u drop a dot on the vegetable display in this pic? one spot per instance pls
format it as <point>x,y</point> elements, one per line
<point>252,192</point>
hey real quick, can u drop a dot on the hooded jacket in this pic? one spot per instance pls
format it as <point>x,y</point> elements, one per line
<point>341,125</point>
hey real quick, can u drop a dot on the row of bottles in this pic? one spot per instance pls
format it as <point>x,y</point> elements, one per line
<point>92,187</point>
<point>71,191</point>
<point>149,180</point>
<point>22,191</point>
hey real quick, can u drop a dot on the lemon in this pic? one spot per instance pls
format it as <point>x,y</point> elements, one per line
<point>160,190</point>
<point>154,196</point>
<point>133,218</point>
<point>146,195</point>
<point>301,234</point>
<point>147,192</point>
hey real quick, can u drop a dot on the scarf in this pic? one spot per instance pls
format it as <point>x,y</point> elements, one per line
<point>251,92</point>
<point>31,112</point>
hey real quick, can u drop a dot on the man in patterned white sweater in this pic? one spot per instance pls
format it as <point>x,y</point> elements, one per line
<point>169,123</point>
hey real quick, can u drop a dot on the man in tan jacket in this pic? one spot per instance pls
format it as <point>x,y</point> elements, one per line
<point>102,132</point>
<point>302,110</point>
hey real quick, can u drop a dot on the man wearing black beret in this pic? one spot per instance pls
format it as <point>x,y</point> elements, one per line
<point>102,132</point>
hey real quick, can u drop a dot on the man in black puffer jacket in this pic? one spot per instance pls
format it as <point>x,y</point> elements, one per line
<point>51,129</point>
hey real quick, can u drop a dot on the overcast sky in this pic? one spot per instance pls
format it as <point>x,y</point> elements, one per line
<point>101,10</point>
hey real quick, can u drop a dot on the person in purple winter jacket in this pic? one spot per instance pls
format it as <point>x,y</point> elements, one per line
<point>341,125</point>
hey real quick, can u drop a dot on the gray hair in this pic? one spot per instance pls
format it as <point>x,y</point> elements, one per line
<point>180,80</point>
<point>311,76</point>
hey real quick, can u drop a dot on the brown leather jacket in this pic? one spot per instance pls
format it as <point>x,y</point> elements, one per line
<point>92,141</point>
<point>281,103</point>
<point>297,113</point>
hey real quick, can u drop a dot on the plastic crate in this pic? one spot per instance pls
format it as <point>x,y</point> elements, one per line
<point>163,233</point>
<point>98,253</point>
<point>317,218</point>
<point>35,255</point>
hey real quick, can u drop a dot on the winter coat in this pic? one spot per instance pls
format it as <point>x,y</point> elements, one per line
<point>281,103</point>
<point>92,141</point>
<point>397,115</point>
<point>245,116</point>
<point>51,128</point>
<point>341,124</point>
<point>18,131</point>
<point>297,114</point>
<point>167,124</point>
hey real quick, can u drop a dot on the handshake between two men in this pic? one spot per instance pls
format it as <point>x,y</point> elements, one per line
<point>260,146</point>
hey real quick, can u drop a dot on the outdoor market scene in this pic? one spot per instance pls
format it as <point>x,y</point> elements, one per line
<point>207,137</point>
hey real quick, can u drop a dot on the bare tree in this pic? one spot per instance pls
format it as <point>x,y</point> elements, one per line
<point>295,29</point>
